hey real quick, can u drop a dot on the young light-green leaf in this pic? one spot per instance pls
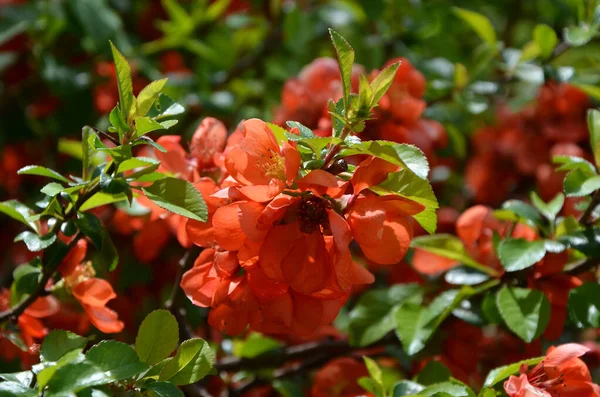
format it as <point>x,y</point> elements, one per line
<point>480,23</point>
<point>157,337</point>
<point>594,128</point>
<point>148,95</point>
<point>193,361</point>
<point>550,209</point>
<point>144,125</point>
<point>19,212</point>
<point>382,82</point>
<point>545,38</point>
<point>526,312</point>
<point>499,374</point>
<point>178,196</point>
<point>124,84</point>
<point>345,55</point>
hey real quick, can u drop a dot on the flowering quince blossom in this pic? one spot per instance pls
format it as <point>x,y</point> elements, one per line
<point>338,378</point>
<point>560,374</point>
<point>92,293</point>
<point>277,243</point>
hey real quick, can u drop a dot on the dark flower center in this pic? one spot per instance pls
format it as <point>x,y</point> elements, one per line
<point>312,214</point>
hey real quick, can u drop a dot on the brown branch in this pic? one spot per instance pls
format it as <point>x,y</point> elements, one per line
<point>587,217</point>
<point>14,312</point>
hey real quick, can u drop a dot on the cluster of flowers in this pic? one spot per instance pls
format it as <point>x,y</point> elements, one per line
<point>277,242</point>
<point>398,117</point>
<point>520,147</point>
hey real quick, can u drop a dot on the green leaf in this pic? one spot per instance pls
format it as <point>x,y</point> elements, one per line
<point>157,337</point>
<point>402,154</point>
<point>15,389</point>
<point>91,227</point>
<point>35,242</point>
<point>526,312</point>
<point>433,372</point>
<point>497,375</point>
<point>585,241</point>
<point>579,183</point>
<point>25,377</point>
<point>594,128</point>
<point>42,171</point>
<point>178,196</point>
<point>517,254</point>
<point>584,305</point>
<point>376,375</point>
<point>52,189</point>
<point>87,150</point>
<point>193,361</point>
<point>126,98</point>
<point>99,199</point>
<point>58,343</point>
<point>164,107</point>
<point>74,377</point>
<point>569,163</point>
<point>254,345</point>
<point>407,388</point>
<point>490,310</point>
<point>70,147</point>
<point>164,389</point>
<point>305,132</point>
<point>280,133</point>
<point>545,37</point>
<point>145,125</point>
<point>448,246</point>
<point>365,95</point>
<point>461,76</point>
<point>148,96</point>
<point>119,122</point>
<point>479,23</point>
<point>550,209</point>
<point>382,82</point>
<point>19,212</point>
<point>416,324</point>
<point>463,275</point>
<point>523,210</point>
<point>445,388</point>
<point>577,36</point>
<point>118,360</point>
<point>374,314</point>
<point>136,162</point>
<point>345,56</point>
<point>25,281</point>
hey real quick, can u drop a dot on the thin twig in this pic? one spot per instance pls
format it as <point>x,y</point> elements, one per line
<point>14,312</point>
<point>587,217</point>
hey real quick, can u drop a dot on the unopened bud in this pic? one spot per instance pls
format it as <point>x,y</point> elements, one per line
<point>338,167</point>
<point>208,139</point>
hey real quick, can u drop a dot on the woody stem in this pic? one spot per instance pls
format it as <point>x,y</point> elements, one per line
<point>587,217</point>
<point>14,312</point>
<point>335,149</point>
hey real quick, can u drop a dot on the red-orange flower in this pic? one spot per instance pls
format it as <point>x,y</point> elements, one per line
<point>560,374</point>
<point>259,164</point>
<point>338,378</point>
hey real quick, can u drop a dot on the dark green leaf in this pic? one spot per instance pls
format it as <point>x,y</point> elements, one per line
<point>25,281</point>
<point>164,389</point>
<point>445,388</point>
<point>91,227</point>
<point>178,196</point>
<point>433,372</point>
<point>526,312</point>
<point>15,389</point>
<point>586,241</point>
<point>374,314</point>
<point>126,98</point>
<point>193,361</point>
<point>118,360</point>
<point>519,254</point>
<point>35,242</point>
<point>594,128</point>
<point>42,171</point>
<point>523,210</point>
<point>584,305</point>
<point>58,343</point>
<point>74,377</point>
<point>490,310</point>
<point>305,132</point>
<point>157,337</point>
<point>407,388</point>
